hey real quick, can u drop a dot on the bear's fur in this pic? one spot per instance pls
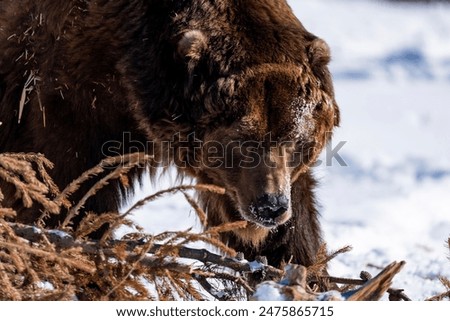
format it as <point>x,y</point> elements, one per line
<point>78,76</point>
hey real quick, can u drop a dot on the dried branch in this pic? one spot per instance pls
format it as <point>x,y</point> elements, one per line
<point>75,263</point>
<point>375,288</point>
<point>446,282</point>
<point>198,187</point>
<point>17,170</point>
<point>63,240</point>
<point>123,165</point>
<point>200,212</point>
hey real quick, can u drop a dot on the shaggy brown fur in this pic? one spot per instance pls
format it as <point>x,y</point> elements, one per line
<point>198,84</point>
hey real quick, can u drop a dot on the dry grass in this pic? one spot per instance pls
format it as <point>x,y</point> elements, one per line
<point>37,263</point>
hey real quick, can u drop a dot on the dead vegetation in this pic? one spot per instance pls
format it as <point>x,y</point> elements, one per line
<point>38,263</point>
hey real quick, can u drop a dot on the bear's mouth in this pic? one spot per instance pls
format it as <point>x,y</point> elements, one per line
<point>267,218</point>
<point>265,221</point>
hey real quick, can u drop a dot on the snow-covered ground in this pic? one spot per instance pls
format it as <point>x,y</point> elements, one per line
<point>391,202</point>
<point>392,76</point>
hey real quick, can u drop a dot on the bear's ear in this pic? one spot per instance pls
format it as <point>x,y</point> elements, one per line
<point>319,53</point>
<point>191,45</point>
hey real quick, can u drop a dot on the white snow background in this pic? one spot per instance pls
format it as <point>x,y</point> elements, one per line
<point>391,202</point>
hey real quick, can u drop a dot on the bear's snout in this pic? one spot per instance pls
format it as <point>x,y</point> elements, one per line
<point>269,209</point>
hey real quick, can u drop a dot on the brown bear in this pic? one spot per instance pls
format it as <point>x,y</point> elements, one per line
<point>234,93</point>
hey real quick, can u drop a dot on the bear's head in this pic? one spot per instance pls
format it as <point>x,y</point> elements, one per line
<point>260,101</point>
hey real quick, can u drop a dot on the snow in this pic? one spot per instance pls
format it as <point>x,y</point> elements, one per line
<point>303,117</point>
<point>255,266</point>
<point>391,65</point>
<point>60,234</point>
<point>269,291</point>
<point>390,201</point>
<point>331,296</point>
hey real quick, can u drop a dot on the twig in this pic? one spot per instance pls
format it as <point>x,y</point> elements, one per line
<point>339,280</point>
<point>439,297</point>
<point>397,295</point>
<point>375,288</point>
<point>394,294</point>
<point>130,162</point>
<point>139,258</point>
<point>75,263</point>
<point>198,187</point>
<point>446,282</point>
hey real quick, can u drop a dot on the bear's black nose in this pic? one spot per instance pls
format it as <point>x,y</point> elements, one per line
<point>270,206</point>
